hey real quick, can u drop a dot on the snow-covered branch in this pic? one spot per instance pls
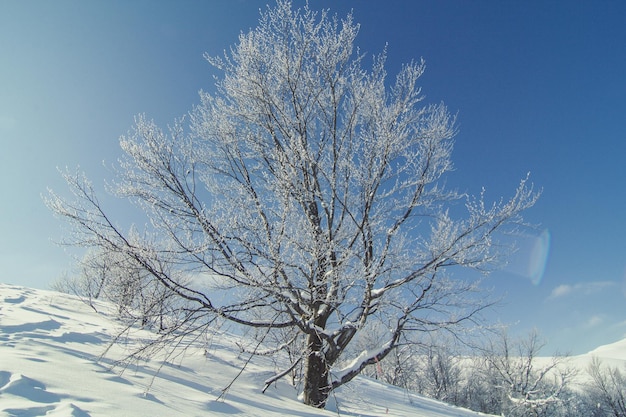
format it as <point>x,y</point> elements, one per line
<point>308,189</point>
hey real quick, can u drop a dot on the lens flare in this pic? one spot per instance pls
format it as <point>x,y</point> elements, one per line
<point>531,256</point>
<point>539,257</point>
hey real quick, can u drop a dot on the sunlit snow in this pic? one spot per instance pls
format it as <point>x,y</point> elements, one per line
<point>51,363</point>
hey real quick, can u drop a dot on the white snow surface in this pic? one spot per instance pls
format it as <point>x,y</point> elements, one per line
<point>51,364</point>
<point>614,351</point>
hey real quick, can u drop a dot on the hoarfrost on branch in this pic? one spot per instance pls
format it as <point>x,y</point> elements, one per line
<point>309,188</point>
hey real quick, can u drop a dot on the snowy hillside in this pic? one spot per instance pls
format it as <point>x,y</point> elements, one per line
<point>614,351</point>
<point>50,348</point>
<point>613,355</point>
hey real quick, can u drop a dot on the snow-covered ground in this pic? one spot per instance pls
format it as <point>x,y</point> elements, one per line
<point>613,355</point>
<point>50,364</point>
<point>615,352</point>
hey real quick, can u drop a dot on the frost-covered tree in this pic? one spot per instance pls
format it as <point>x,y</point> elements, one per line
<point>441,374</point>
<point>526,384</point>
<point>305,193</point>
<point>607,389</point>
<point>115,277</point>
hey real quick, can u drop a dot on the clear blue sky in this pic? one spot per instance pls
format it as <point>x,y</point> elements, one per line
<point>538,86</point>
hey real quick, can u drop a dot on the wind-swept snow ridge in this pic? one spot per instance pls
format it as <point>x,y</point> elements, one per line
<point>50,364</point>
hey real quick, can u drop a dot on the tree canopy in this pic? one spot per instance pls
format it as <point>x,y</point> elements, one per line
<point>306,193</point>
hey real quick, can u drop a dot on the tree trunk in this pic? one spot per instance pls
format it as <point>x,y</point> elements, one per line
<point>316,376</point>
